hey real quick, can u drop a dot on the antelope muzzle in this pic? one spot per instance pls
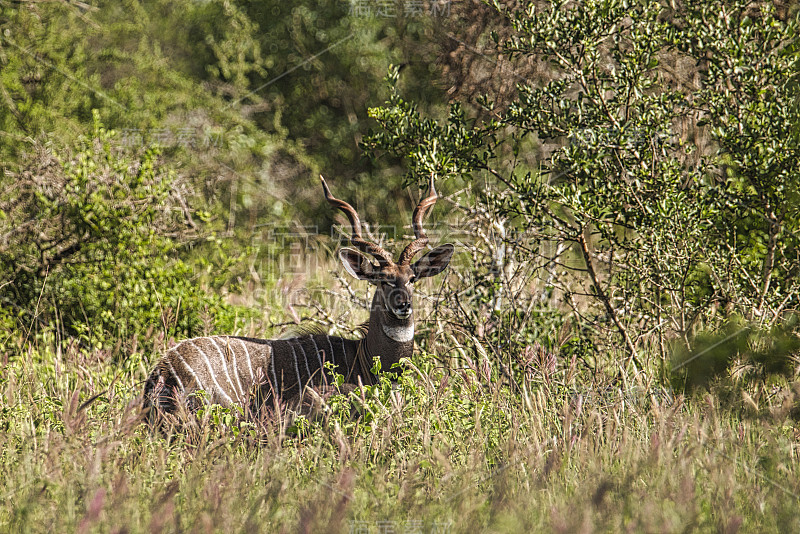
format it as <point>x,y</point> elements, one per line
<point>399,302</point>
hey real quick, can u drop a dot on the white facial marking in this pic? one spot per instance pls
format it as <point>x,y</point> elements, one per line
<point>401,334</point>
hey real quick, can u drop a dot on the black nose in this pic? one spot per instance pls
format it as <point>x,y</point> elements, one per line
<point>399,302</point>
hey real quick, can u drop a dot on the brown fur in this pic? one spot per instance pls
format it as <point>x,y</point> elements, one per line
<point>254,373</point>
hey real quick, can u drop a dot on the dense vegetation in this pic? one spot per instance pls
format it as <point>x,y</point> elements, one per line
<point>615,346</point>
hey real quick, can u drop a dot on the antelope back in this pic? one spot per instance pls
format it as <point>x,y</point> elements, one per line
<point>246,371</point>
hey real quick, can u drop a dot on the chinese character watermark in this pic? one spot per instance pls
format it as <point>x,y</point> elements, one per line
<point>390,9</point>
<point>408,526</point>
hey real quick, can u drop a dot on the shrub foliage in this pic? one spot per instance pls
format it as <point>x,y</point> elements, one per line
<point>92,243</point>
<point>657,204</point>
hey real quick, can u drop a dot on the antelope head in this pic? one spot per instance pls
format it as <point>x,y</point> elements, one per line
<point>393,279</point>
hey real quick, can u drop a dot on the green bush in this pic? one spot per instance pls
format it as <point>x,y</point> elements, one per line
<point>642,231</point>
<point>93,241</point>
<point>735,354</point>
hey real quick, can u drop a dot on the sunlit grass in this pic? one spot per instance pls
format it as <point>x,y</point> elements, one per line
<point>458,450</point>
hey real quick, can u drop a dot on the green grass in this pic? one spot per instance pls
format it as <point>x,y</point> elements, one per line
<point>448,450</point>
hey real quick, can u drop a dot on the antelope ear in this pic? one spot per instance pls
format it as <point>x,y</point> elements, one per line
<point>357,264</point>
<point>433,262</point>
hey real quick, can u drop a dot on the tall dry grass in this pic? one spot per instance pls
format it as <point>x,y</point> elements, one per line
<point>454,447</point>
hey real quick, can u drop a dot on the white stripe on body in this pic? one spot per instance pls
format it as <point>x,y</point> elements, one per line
<point>331,355</point>
<point>211,371</point>
<point>235,366</point>
<point>305,357</point>
<point>249,363</point>
<point>225,367</point>
<point>296,367</point>
<point>189,368</point>
<point>172,370</point>
<point>319,357</point>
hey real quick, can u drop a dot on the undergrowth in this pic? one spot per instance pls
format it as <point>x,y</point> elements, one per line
<point>452,447</point>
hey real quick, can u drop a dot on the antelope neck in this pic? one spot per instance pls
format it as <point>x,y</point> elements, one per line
<point>388,337</point>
